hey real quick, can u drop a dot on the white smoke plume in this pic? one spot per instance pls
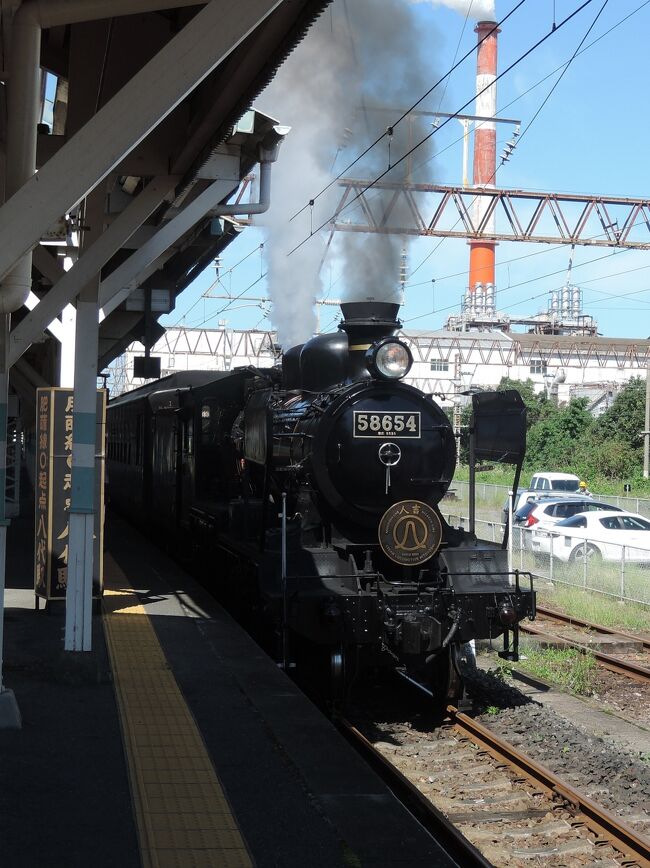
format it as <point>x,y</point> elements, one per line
<point>359,67</point>
<point>480,10</point>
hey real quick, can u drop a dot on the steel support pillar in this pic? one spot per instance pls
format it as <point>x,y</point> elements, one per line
<point>88,265</point>
<point>79,590</point>
<point>124,121</point>
<point>9,712</point>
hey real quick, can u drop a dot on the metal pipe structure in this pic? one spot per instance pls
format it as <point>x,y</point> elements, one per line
<point>23,105</point>
<point>482,253</point>
<point>267,154</point>
<point>23,101</point>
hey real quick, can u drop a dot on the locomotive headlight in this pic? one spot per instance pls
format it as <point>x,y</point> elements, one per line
<point>390,359</point>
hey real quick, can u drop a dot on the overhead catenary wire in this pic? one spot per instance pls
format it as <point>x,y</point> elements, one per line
<point>527,281</point>
<point>444,123</point>
<point>535,116</point>
<point>541,81</point>
<point>564,67</point>
<point>217,281</point>
<point>408,111</point>
<point>617,252</point>
<point>235,298</point>
<point>563,73</point>
<point>578,52</point>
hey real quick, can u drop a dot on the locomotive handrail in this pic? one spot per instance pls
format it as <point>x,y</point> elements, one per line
<point>294,434</point>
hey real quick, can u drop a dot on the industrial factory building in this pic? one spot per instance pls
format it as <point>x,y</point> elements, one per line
<point>445,362</point>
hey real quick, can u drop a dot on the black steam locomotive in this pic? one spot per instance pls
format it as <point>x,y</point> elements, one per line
<point>312,491</point>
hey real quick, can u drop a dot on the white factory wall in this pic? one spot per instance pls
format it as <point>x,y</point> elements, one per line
<point>445,363</point>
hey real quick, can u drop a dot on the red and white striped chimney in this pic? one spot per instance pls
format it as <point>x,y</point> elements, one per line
<point>482,254</point>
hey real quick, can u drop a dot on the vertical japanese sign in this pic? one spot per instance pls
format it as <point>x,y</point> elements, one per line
<point>54,488</point>
<point>43,479</point>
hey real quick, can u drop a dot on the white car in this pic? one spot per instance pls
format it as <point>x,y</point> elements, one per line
<point>600,535</point>
<point>549,511</point>
<point>545,485</point>
<point>551,483</point>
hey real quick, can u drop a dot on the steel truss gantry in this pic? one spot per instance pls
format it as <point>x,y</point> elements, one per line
<point>444,211</point>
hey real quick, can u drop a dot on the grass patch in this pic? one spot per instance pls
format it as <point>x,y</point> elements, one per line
<point>593,607</point>
<point>502,475</point>
<point>564,666</point>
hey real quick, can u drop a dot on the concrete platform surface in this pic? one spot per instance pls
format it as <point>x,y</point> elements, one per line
<point>300,794</point>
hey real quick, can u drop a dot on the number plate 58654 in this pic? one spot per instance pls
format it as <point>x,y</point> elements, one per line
<point>387,425</point>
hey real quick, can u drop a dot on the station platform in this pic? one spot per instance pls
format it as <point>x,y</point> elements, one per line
<point>176,741</point>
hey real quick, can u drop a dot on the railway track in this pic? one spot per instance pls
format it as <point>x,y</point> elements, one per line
<point>570,621</point>
<point>493,805</point>
<point>615,664</point>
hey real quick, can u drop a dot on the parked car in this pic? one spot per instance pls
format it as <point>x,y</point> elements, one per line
<point>549,511</point>
<point>544,485</point>
<point>552,510</point>
<point>596,535</point>
<point>551,482</point>
<point>516,499</point>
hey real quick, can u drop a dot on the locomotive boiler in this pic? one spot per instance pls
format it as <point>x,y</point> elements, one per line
<point>313,491</point>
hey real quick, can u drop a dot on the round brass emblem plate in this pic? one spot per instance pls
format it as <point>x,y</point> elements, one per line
<point>410,532</point>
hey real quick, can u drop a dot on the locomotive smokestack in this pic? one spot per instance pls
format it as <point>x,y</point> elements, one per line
<point>482,254</point>
<point>365,322</point>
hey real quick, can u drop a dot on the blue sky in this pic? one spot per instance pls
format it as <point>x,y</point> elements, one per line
<point>590,137</point>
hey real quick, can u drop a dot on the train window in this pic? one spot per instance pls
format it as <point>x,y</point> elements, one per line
<point>188,436</point>
<point>210,419</point>
<point>205,421</point>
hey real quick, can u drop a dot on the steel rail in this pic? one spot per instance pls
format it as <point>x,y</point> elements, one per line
<point>614,664</point>
<point>433,820</point>
<point>626,840</point>
<point>598,628</point>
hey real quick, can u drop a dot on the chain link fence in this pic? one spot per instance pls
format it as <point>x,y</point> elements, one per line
<point>623,573</point>
<point>491,498</point>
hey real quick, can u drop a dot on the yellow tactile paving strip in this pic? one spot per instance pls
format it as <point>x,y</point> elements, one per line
<point>182,816</point>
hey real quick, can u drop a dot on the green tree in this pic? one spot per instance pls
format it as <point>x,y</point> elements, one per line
<point>609,459</point>
<point>554,440</point>
<point>535,404</point>
<point>625,419</point>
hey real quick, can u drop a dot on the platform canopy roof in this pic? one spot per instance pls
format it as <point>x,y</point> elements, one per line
<point>108,63</point>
